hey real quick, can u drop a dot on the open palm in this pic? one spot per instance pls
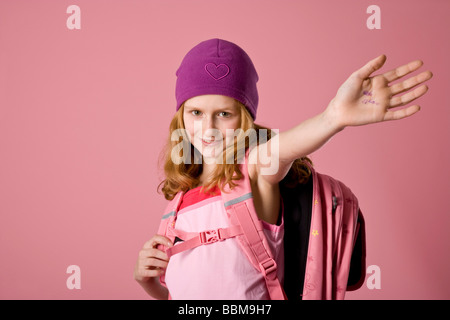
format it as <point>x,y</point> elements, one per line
<point>363,99</point>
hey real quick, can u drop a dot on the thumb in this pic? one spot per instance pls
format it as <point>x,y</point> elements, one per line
<point>370,67</point>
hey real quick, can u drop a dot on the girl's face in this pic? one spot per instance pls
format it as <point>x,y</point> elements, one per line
<point>207,118</point>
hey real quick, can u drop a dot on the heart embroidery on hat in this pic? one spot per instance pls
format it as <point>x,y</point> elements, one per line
<point>217,72</point>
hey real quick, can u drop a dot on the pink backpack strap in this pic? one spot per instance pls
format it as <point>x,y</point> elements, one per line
<point>195,239</point>
<point>256,246</point>
<point>169,215</point>
<point>239,205</point>
<point>168,220</point>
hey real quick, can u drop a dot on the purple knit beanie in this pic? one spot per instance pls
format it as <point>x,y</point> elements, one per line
<point>218,66</point>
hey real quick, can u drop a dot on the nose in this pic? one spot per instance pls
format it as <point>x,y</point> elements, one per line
<point>208,123</point>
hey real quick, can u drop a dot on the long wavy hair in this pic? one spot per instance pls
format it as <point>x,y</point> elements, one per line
<point>185,175</point>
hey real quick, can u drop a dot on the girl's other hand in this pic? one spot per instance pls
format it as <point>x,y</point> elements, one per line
<point>152,262</point>
<point>363,99</point>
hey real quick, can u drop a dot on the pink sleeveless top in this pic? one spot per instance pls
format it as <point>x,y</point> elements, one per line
<point>220,270</point>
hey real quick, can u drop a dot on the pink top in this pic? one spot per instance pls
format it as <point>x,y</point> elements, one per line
<point>220,270</point>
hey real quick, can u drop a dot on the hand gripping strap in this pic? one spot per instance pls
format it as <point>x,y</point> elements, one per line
<point>262,254</point>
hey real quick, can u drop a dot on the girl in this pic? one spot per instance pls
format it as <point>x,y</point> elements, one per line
<point>217,100</point>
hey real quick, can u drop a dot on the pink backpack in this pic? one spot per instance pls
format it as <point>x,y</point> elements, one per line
<point>324,238</point>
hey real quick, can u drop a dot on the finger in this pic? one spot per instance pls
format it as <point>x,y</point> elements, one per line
<point>151,273</point>
<point>410,83</point>
<point>370,67</point>
<point>400,114</point>
<point>153,253</point>
<point>402,70</point>
<point>408,97</point>
<point>154,263</point>
<point>157,240</point>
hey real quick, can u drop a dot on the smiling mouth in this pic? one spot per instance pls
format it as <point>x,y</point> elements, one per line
<point>210,142</point>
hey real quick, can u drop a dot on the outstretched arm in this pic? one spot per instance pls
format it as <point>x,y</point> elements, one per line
<point>362,99</point>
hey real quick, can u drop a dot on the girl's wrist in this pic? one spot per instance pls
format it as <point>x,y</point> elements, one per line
<point>332,119</point>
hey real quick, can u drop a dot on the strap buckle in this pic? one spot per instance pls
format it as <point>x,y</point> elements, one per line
<point>268,267</point>
<point>210,236</point>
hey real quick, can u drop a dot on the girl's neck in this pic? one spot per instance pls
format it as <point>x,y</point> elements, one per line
<point>207,171</point>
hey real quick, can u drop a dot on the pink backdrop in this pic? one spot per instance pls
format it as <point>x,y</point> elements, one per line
<point>84,114</point>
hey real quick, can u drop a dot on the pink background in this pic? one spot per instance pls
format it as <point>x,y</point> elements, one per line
<point>84,114</point>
